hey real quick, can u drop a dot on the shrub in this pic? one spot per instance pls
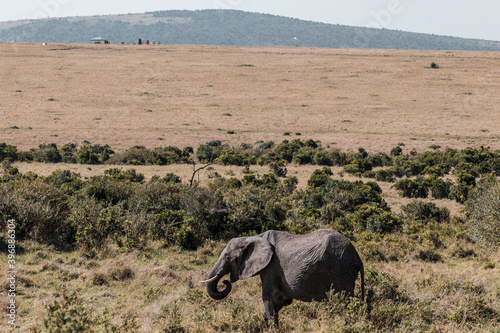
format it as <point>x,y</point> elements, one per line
<point>385,175</point>
<point>164,224</point>
<point>47,153</point>
<point>186,238</point>
<point>483,214</point>
<point>266,145</point>
<point>357,167</point>
<point>93,154</point>
<point>268,180</point>
<point>153,197</point>
<point>459,192</point>
<point>8,170</point>
<point>323,158</point>
<point>7,152</point>
<point>320,177</point>
<point>377,220</point>
<point>303,157</point>
<point>335,198</point>
<point>68,153</point>
<point>230,157</point>
<point>140,155</point>
<point>40,210</point>
<point>172,178</point>
<point>67,316</point>
<point>92,233</point>
<point>412,188</point>
<point>428,255</point>
<point>278,168</point>
<point>425,211</point>
<point>396,151</point>
<point>466,179</point>
<point>69,182</point>
<point>380,160</point>
<point>246,214</point>
<point>440,189</point>
<point>209,152</point>
<point>110,192</point>
<point>129,176</point>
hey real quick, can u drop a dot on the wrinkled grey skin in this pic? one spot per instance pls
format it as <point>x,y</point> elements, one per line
<point>302,267</point>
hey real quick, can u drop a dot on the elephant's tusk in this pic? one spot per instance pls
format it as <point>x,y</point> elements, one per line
<point>210,280</point>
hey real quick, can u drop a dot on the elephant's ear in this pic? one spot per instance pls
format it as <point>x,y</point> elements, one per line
<point>256,257</point>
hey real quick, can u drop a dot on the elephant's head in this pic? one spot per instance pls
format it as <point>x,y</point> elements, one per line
<point>242,258</point>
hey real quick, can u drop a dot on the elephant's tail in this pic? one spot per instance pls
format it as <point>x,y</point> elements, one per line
<point>362,271</point>
<point>362,283</point>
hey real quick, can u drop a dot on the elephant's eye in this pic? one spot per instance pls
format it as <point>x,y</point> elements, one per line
<point>228,258</point>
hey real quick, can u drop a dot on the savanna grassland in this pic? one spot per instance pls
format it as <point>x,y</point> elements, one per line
<point>125,95</point>
<point>400,157</point>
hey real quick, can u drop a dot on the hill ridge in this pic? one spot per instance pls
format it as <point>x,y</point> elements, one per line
<point>227,27</point>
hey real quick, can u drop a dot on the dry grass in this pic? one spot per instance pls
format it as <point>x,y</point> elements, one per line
<point>124,95</point>
<point>157,289</point>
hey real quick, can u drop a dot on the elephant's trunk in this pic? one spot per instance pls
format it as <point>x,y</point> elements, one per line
<point>212,281</point>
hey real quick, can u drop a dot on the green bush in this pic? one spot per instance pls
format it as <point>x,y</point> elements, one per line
<point>303,157</point>
<point>69,182</point>
<point>93,154</point>
<point>129,176</point>
<point>164,224</point>
<point>335,198</point>
<point>323,158</point>
<point>172,178</point>
<point>68,316</point>
<point>377,220</point>
<point>466,179</point>
<point>46,153</point>
<point>418,210</point>
<point>93,232</point>
<point>384,175</point>
<point>358,167</point>
<point>140,155</point>
<point>108,191</point>
<point>483,215</point>
<point>7,152</point>
<point>186,238</point>
<point>320,177</point>
<point>278,168</point>
<point>209,152</point>
<point>40,210</point>
<point>230,157</point>
<point>246,213</point>
<point>396,151</point>
<point>154,197</point>
<point>68,153</point>
<point>440,189</point>
<point>459,192</point>
<point>408,188</point>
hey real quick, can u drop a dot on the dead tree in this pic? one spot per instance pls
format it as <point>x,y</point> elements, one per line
<point>196,171</point>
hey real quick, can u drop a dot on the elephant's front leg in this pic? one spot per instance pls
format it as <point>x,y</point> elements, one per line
<point>270,312</point>
<point>270,295</point>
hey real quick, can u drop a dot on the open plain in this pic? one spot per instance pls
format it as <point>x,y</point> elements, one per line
<point>158,95</point>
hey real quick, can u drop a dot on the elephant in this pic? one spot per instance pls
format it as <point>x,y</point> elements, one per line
<point>301,267</point>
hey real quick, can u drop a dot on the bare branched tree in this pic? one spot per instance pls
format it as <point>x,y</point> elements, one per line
<point>197,170</point>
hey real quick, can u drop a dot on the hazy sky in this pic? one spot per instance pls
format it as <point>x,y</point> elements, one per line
<point>462,18</point>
